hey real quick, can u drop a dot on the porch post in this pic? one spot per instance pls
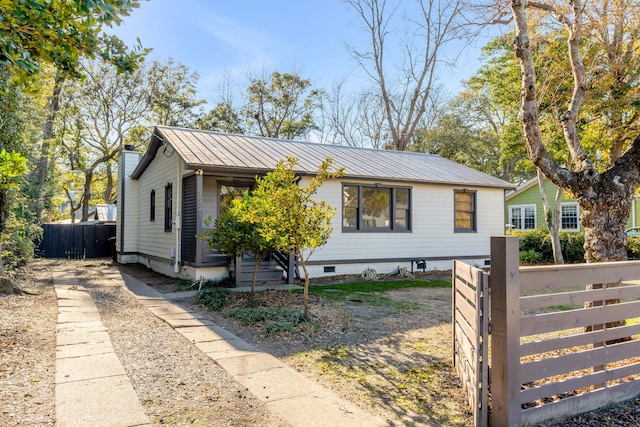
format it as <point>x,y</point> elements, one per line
<point>199,243</point>
<point>504,283</point>
<point>238,270</point>
<point>291,268</point>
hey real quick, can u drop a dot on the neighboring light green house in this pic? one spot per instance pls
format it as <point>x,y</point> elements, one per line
<point>524,210</point>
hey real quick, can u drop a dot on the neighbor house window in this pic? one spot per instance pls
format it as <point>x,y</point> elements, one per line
<point>522,217</point>
<point>168,207</point>
<point>375,208</point>
<point>152,206</point>
<point>465,211</point>
<point>569,217</point>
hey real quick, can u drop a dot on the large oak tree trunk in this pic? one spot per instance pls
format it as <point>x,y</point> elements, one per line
<point>604,218</point>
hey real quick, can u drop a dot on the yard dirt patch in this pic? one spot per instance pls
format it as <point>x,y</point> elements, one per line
<point>391,358</point>
<point>390,355</point>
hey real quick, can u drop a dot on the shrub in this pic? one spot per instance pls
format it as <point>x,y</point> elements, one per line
<point>17,242</point>
<point>572,247</point>
<point>633,247</point>
<point>214,298</point>
<point>530,258</point>
<point>275,320</point>
<point>539,241</point>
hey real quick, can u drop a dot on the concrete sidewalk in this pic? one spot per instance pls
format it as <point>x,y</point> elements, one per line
<point>91,382</point>
<point>294,398</point>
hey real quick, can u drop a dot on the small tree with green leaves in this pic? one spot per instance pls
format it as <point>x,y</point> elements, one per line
<point>288,216</point>
<point>12,166</point>
<point>234,237</point>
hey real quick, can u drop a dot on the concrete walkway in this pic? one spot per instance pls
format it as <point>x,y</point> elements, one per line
<point>84,392</point>
<point>90,380</point>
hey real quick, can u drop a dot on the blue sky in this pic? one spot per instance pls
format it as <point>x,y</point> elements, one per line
<point>214,37</point>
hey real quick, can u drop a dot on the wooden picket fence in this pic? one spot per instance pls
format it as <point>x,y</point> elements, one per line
<point>552,357</point>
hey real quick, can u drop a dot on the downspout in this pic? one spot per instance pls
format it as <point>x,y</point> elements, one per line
<point>122,183</point>
<point>176,265</point>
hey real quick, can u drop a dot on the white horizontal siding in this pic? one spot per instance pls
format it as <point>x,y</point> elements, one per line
<point>432,234</point>
<point>127,218</point>
<point>152,239</point>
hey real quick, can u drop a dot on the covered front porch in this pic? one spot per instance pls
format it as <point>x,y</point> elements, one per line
<point>204,197</point>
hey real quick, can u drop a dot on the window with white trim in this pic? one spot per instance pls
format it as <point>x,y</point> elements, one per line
<point>569,217</point>
<point>522,217</point>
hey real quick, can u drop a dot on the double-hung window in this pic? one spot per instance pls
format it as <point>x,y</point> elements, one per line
<point>372,208</point>
<point>465,211</point>
<point>569,217</point>
<point>522,217</point>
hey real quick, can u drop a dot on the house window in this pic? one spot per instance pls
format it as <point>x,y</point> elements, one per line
<point>375,208</point>
<point>152,206</point>
<point>522,217</point>
<point>168,207</point>
<point>569,217</point>
<point>465,211</point>
<point>229,193</point>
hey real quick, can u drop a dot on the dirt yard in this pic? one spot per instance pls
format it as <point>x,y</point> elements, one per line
<point>391,355</point>
<point>393,360</point>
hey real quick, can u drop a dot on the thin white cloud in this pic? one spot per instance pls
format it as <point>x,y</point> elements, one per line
<point>246,41</point>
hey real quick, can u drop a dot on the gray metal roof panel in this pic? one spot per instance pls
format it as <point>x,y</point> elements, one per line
<point>205,149</point>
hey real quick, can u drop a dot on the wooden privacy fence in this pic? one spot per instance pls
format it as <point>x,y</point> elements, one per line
<point>76,241</point>
<point>552,356</point>
<point>470,335</point>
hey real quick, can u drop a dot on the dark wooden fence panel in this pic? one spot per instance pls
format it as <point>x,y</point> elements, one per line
<point>76,241</point>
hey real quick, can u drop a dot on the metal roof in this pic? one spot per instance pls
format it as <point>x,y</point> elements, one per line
<point>213,151</point>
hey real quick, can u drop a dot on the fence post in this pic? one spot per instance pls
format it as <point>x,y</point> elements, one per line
<point>505,331</point>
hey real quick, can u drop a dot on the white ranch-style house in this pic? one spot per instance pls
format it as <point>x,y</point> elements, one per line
<point>393,208</point>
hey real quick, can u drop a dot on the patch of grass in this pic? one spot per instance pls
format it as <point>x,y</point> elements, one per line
<point>366,290</point>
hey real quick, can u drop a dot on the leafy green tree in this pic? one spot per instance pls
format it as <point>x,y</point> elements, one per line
<point>172,89</point>
<point>280,106</point>
<point>62,33</point>
<point>235,237</point>
<point>288,215</point>
<point>221,118</point>
<point>20,126</point>
<point>12,166</point>
<point>597,122</point>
